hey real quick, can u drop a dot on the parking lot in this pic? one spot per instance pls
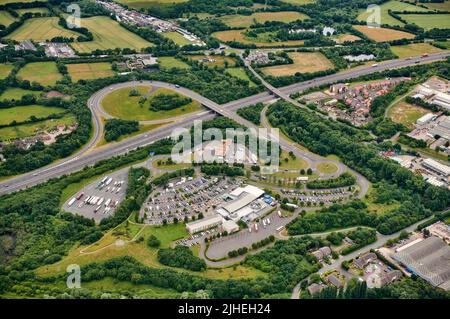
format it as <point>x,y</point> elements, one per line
<point>185,197</point>
<point>100,198</point>
<point>317,196</point>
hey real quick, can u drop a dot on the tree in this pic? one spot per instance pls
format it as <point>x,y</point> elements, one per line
<point>153,242</point>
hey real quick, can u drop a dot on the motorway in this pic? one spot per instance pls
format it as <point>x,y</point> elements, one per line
<point>88,156</point>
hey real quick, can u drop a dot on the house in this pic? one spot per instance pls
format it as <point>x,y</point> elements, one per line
<point>332,279</point>
<point>362,261</point>
<point>328,31</point>
<point>322,252</point>
<point>314,289</point>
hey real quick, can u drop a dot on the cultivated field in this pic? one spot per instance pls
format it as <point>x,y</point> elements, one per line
<point>298,2</point>
<point>394,6</point>
<point>32,10</point>
<point>440,6</point>
<point>120,105</point>
<point>41,29</point>
<point>6,18</point>
<point>429,21</point>
<point>16,93</point>
<point>168,62</point>
<point>89,71</point>
<point>346,38</point>
<point>240,74</point>
<point>406,114</point>
<point>243,21</point>
<point>45,73</point>
<point>383,34</point>
<point>177,38</point>
<point>5,70</point>
<point>414,49</point>
<point>108,34</point>
<point>218,60</point>
<point>304,62</point>
<point>23,113</point>
<point>263,40</point>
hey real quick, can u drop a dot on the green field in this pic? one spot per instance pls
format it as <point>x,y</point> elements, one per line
<point>240,73</point>
<point>89,71</point>
<point>406,114</point>
<point>394,6</point>
<point>262,40</point>
<point>120,105</point>
<point>6,18</point>
<point>292,163</point>
<point>148,3</point>
<point>213,60</point>
<point>108,34</point>
<point>41,29</point>
<point>299,2</point>
<point>5,70</point>
<point>429,21</point>
<point>23,113</point>
<point>45,73</point>
<point>446,44</point>
<point>414,49</point>
<point>32,10</point>
<point>2,2</point>
<point>168,62</point>
<point>327,168</point>
<point>440,6</point>
<point>16,93</point>
<point>26,130</point>
<point>243,21</point>
<point>177,38</point>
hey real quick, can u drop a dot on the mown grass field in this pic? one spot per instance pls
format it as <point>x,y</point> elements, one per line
<point>120,105</point>
<point>298,2</point>
<point>263,40</point>
<point>406,114</point>
<point>23,113</point>
<point>32,10</point>
<point>304,62</point>
<point>383,34</point>
<point>89,71</point>
<point>45,73</point>
<point>440,6</point>
<point>5,70</point>
<point>177,38</point>
<point>429,21</point>
<point>414,49</point>
<point>292,163</point>
<point>25,130</point>
<point>16,93</point>
<point>41,29</point>
<point>168,62</point>
<point>240,73</point>
<point>243,21</point>
<point>327,168</point>
<point>108,34</point>
<point>6,18</point>
<point>393,6</point>
<point>218,60</point>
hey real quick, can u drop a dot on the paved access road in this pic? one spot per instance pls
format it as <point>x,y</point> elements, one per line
<point>88,156</point>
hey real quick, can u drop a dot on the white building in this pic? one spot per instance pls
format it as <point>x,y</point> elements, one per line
<point>230,226</point>
<point>203,224</point>
<point>426,118</point>
<point>241,205</point>
<point>436,167</point>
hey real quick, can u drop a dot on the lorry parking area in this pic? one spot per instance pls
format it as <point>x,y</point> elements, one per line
<point>99,199</point>
<point>317,196</point>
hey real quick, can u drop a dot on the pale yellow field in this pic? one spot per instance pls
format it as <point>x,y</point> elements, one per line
<point>89,71</point>
<point>383,34</point>
<point>304,62</point>
<point>41,29</point>
<point>414,49</point>
<point>243,21</point>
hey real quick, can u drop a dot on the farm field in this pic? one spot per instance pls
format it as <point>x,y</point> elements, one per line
<point>32,10</point>
<point>262,41</point>
<point>16,93</point>
<point>298,2</point>
<point>346,38</point>
<point>23,113</point>
<point>440,6</point>
<point>383,34</point>
<point>406,114</point>
<point>89,71</point>
<point>243,21</point>
<point>177,38</point>
<point>5,70</point>
<point>44,73</point>
<point>414,49</point>
<point>41,29</point>
<point>15,1</point>
<point>148,3</point>
<point>167,62</point>
<point>394,6</point>
<point>218,60</point>
<point>304,62</point>
<point>25,130</point>
<point>108,34</point>
<point>240,73</point>
<point>446,44</point>
<point>429,21</point>
<point>6,18</point>
<point>120,105</point>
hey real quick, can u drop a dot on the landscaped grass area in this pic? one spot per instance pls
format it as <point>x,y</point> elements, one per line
<point>16,93</point>
<point>142,129</point>
<point>32,10</point>
<point>6,18</point>
<point>177,38</point>
<point>120,105</point>
<point>5,70</point>
<point>383,34</point>
<point>414,49</point>
<point>393,6</point>
<point>214,60</point>
<point>165,165</point>
<point>89,71</point>
<point>406,114</point>
<point>243,21</point>
<point>108,34</point>
<point>41,29</point>
<point>240,73</point>
<point>23,113</point>
<point>429,21</point>
<point>168,62</point>
<point>45,73</point>
<point>25,130</point>
<point>304,62</point>
<point>263,40</point>
<point>293,163</point>
<point>327,168</point>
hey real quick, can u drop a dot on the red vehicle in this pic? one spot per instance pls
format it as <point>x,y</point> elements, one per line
<point>80,195</point>
<point>424,55</point>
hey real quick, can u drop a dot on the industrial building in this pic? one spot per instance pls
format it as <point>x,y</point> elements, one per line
<point>429,259</point>
<point>203,224</point>
<point>436,167</point>
<point>242,203</point>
